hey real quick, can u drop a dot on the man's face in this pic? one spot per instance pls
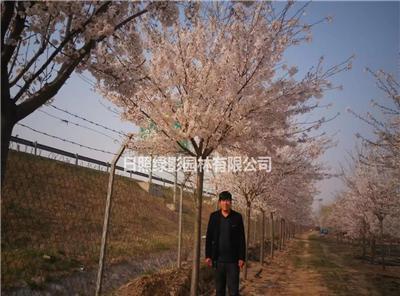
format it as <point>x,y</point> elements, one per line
<point>225,204</point>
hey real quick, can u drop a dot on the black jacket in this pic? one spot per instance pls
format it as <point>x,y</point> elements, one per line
<point>237,236</point>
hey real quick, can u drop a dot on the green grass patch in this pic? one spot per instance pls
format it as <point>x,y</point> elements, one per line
<point>316,258</point>
<point>313,237</point>
<point>297,260</point>
<point>387,285</point>
<point>319,259</point>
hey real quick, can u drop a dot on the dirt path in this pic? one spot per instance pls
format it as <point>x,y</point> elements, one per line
<point>282,276</point>
<point>311,265</point>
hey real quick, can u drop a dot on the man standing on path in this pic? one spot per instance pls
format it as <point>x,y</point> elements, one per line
<point>225,246</point>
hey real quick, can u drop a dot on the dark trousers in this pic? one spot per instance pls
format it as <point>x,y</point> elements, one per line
<point>227,274</point>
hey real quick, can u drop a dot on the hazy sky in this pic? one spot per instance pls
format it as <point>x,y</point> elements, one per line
<point>370,30</point>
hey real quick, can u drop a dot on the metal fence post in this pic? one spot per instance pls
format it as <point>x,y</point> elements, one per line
<point>262,239</point>
<point>76,158</point>
<point>175,182</point>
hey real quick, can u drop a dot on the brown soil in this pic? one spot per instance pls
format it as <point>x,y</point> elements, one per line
<point>174,282</point>
<point>310,265</point>
<point>281,277</point>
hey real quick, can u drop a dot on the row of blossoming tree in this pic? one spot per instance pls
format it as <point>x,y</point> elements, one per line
<point>204,79</point>
<point>368,210</point>
<point>286,192</point>
<point>215,83</point>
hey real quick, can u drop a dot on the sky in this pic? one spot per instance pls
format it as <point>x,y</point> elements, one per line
<point>369,30</point>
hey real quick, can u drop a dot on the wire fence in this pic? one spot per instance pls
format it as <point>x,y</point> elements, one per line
<point>52,219</point>
<point>37,149</point>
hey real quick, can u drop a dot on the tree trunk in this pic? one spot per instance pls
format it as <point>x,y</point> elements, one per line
<point>382,243</point>
<point>197,232</point>
<point>106,221</point>
<point>180,227</point>
<point>280,235</point>
<point>364,250</point>
<point>7,125</point>
<point>262,237</point>
<point>373,249</point>
<point>294,230</point>
<point>6,131</point>
<point>255,231</point>
<point>272,235</point>
<point>284,232</point>
<point>248,213</point>
<point>217,199</point>
<point>278,232</point>
<point>151,173</point>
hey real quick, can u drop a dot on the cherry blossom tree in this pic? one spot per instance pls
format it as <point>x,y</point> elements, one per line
<point>378,189</point>
<point>292,195</point>
<point>371,202</point>
<point>43,42</point>
<point>294,173</point>
<point>215,79</point>
<point>369,207</point>
<point>387,126</point>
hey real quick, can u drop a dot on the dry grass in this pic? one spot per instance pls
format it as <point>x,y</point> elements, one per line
<point>338,264</point>
<point>168,282</point>
<point>52,218</point>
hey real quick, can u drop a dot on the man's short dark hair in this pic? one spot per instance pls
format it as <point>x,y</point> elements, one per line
<point>225,195</point>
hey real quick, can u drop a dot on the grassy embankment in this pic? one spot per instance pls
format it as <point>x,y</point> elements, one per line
<point>52,218</point>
